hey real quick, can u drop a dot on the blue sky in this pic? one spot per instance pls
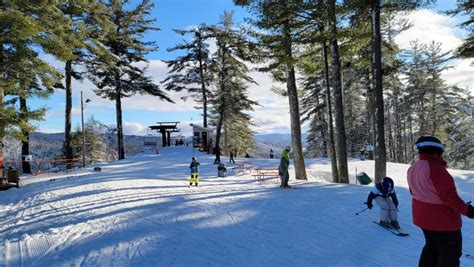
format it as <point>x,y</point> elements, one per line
<point>141,111</point>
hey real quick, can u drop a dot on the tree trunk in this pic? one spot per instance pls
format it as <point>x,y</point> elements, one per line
<point>370,114</point>
<point>434,114</point>
<point>322,122</point>
<point>300,169</point>
<point>203,83</point>
<point>405,150</point>
<point>25,144</point>
<point>330,137</point>
<point>2,129</point>
<point>67,131</point>
<point>222,78</point>
<point>350,115</point>
<point>341,147</point>
<point>218,137</point>
<point>411,145</point>
<point>391,149</point>
<point>380,151</point>
<point>118,107</point>
<point>226,140</point>
<point>398,132</point>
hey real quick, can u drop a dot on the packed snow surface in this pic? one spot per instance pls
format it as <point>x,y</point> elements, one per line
<point>141,212</point>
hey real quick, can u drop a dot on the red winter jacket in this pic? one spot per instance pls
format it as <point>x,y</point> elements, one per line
<point>436,204</point>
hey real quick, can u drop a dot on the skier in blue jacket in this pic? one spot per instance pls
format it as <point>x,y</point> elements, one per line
<point>384,195</point>
<point>194,172</point>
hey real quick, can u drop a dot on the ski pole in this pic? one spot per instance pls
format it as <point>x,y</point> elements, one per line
<point>357,213</point>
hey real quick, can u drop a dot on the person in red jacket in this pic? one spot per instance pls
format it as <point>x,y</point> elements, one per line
<point>436,206</point>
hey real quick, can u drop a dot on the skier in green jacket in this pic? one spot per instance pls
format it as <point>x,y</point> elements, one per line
<point>283,168</point>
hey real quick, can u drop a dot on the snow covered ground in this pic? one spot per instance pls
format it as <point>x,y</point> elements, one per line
<point>141,212</point>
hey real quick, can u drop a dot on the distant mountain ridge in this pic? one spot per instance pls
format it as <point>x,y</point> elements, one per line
<point>279,137</point>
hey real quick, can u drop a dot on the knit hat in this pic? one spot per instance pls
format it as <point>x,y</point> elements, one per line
<point>429,145</point>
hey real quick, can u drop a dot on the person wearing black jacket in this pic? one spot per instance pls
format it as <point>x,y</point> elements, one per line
<point>384,195</point>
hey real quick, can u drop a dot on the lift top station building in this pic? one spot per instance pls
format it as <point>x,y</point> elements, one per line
<point>202,136</point>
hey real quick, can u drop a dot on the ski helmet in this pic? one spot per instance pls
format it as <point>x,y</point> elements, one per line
<point>288,148</point>
<point>429,145</point>
<point>387,184</point>
<point>193,159</point>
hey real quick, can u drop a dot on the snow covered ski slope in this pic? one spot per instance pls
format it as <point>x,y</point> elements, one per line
<point>141,212</point>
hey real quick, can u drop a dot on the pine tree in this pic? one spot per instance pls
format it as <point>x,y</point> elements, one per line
<point>94,141</point>
<point>313,110</point>
<point>86,20</point>
<point>466,8</point>
<point>341,146</point>
<point>26,28</point>
<point>191,71</point>
<point>313,14</point>
<point>120,76</point>
<point>417,79</point>
<point>35,79</point>
<point>279,23</point>
<point>229,98</point>
<point>459,129</point>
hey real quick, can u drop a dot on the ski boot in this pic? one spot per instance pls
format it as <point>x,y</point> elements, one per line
<point>395,224</point>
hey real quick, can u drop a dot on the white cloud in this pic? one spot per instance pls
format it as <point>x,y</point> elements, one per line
<point>431,26</point>
<point>462,74</point>
<point>48,131</point>
<point>77,111</point>
<point>134,128</point>
<point>428,26</point>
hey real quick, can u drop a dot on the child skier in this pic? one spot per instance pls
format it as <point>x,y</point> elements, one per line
<point>194,172</point>
<point>385,196</point>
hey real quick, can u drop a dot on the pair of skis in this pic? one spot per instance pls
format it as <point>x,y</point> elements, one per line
<point>398,232</point>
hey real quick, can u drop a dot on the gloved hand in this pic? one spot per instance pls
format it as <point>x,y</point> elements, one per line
<point>470,212</point>
<point>369,205</point>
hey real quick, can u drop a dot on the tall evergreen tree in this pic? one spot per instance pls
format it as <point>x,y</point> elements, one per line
<point>341,146</point>
<point>230,100</point>
<point>376,7</point>
<point>315,18</point>
<point>459,127</point>
<point>191,71</point>
<point>120,76</point>
<point>435,64</point>
<point>466,8</point>
<point>25,28</point>
<point>279,22</point>
<point>313,109</point>
<point>35,79</point>
<point>416,82</point>
<point>86,20</point>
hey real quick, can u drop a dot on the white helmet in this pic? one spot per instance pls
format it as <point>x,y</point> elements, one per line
<point>288,148</point>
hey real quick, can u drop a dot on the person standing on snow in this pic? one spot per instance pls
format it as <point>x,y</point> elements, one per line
<point>283,168</point>
<point>436,206</point>
<point>384,195</point>
<point>194,172</point>
<point>231,156</point>
<point>271,153</point>
<point>217,151</point>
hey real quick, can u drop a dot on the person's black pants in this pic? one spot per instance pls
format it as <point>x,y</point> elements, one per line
<point>442,249</point>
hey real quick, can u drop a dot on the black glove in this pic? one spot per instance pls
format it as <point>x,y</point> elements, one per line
<point>369,205</point>
<point>470,212</point>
